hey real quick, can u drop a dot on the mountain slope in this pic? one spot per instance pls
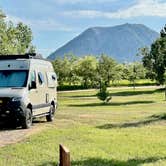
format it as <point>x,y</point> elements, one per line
<point>120,42</point>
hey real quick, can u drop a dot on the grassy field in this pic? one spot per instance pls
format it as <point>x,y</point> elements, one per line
<point>140,82</point>
<point>130,131</point>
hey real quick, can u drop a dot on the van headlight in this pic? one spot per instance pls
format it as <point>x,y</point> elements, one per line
<point>14,99</point>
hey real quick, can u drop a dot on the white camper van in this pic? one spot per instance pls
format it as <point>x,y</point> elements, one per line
<point>27,89</point>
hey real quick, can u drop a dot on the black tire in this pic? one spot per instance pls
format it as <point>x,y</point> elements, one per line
<point>50,116</point>
<point>27,120</point>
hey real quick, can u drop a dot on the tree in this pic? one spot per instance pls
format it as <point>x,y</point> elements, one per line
<point>61,67</point>
<point>155,60</point>
<point>66,69</point>
<point>24,38</point>
<point>103,94</point>
<point>118,74</point>
<point>15,39</point>
<point>72,77</point>
<point>106,69</point>
<point>86,69</point>
<point>134,71</point>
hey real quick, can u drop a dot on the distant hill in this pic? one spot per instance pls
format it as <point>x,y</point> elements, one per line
<point>120,42</point>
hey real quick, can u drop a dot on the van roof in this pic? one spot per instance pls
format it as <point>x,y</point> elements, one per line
<point>22,56</point>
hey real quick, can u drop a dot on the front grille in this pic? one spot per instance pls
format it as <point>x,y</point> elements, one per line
<point>4,101</point>
<point>5,112</point>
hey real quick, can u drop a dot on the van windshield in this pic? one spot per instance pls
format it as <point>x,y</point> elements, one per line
<point>13,78</point>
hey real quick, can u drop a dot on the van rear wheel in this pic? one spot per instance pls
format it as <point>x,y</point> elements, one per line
<point>27,119</point>
<point>50,116</point>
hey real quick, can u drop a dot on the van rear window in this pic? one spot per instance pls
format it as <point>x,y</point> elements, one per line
<point>51,76</point>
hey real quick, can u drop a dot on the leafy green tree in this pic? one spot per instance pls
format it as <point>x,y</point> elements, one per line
<point>133,72</point>
<point>72,77</point>
<point>61,67</point>
<point>24,38</point>
<point>155,59</point>
<point>104,94</point>
<point>86,70</point>
<point>106,69</point>
<point>58,65</point>
<point>118,74</point>
<point>66,70</point>
<point>15,39</point>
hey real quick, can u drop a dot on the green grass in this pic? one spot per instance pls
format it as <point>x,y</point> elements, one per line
<point>140,82</point>
<point>129,131</point>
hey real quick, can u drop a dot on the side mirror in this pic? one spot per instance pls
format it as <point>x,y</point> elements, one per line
<point>32,85</point>
<point>53,77</point>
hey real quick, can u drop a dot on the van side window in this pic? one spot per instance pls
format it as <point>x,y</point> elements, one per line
<point>33,76</point>
<point>40,78</point>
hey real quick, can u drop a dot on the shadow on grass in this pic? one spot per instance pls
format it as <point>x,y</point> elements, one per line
<point>105,162</point>
<point>83,96</point>
<point>136,92</point>
<point>123,93</point>
<point>149,120</point>
<point>111,104</point>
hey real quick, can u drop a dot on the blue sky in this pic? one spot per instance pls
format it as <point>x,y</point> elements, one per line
<point>55,22</point>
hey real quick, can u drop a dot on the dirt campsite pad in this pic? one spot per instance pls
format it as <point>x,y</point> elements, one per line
<point>10,136</point>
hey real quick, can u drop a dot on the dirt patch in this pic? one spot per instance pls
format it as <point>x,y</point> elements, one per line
<point>10,136</point>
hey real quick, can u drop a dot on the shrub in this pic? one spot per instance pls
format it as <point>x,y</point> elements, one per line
<point>103,94</point>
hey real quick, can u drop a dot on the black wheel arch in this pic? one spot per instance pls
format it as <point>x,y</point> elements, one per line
<point>53,103</point>
<point>29,106</point>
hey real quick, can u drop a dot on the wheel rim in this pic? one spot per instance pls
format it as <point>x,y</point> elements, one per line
<point>52,115</point>
<point>29,119</point>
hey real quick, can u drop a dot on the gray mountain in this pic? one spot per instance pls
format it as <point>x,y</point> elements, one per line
<point>120,42</point>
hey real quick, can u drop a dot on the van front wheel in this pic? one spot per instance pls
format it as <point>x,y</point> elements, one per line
<point>27,119</point>
<point>50,116</point>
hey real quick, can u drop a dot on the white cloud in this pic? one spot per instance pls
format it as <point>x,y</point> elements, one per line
<point>141,8</point>
<point>48,25</point>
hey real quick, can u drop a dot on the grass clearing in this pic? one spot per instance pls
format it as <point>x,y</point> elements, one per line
<point>131,130</point>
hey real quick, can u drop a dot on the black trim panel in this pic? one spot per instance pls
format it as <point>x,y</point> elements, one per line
<point>40,115</point>
<point>41,106</point>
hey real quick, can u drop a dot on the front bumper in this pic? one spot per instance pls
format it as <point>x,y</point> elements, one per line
<point>11,111</point>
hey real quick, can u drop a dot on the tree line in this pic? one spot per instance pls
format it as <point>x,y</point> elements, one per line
<point>91,71</point>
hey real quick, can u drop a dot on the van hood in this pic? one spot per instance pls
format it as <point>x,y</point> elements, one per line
<point>12,92</point>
